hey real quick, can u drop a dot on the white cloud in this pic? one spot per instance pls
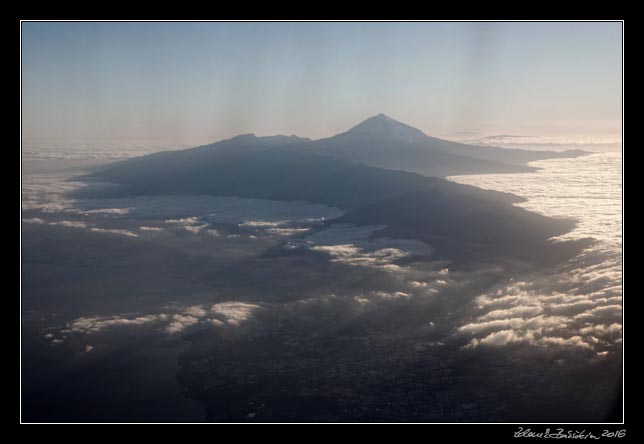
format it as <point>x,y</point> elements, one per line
<point>46,192</point>
<point>233,313</point>
<point>353,245</point>
<point>151,229</point>
<point>112,211</point>
<point>497,324</point>
<point>543,142</point>
<point>180,323</point>
<point>535,325</point>
<point>174,320</point>
<point>186,221</point>
<point>499,338</point>
<point>196,310</point>
<point>361,300</point>
<point>97,324</point>
<point>601,329</point>
<point>572,307</point>
<point>115,231</point>
<point>34,220</point>
<point>263,223</point>
<point>70,224</point>
<point>579,309</point>
<point>513,312</point>
<point>532,337</point>
<point>393,295</point>
<point>195,229</point>
<point>353,255</point>
<point>286,231</point>
<point>574,341</point>
<point>606,310</point>
<point>190,224</point>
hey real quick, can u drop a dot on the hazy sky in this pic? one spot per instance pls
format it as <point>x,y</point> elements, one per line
<point>189,83</point>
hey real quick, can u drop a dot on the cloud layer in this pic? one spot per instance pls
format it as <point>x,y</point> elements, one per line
<point>580,307</point>
<point>173,320</point>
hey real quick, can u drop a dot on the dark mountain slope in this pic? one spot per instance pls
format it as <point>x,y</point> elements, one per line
<point>249,167</point>
<point>459,220</point>
<point>384,142</point>
<point>465,223</point>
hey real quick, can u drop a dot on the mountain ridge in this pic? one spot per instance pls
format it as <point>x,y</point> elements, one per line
<point>383,142</point>
<point>458,219</point>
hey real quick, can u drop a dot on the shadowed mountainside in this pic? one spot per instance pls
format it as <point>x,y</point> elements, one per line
<point>248,166</point>
<point>458,220</point>
<point>384,142</point>
<point>465,224</point>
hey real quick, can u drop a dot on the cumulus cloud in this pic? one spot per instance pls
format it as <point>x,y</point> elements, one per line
<point>184,221</point>
<point>574,341</point>
<point>502,337</point>
<point>233,313</point>
<point>180,322</point>
<point>34,220</point>
<point>579,307</point>
<point>354,255</point>
<point>70,224</point>
<point>109,211</point>
<point>151,229</point>
<point>190,224</point>
<point>97,324</point>
<point>418,284</point>
<point>195,229</point>
<point>532,337</point>
<point>615,328</point>
<point>513,312</point>
<point>392,295</point>
<point>361,300</point>
<point>286,231</point>
<point>263,223</point>
<point>283,228</point>
<point>497,324</point>
<point>47,193</point>
<point>172,321</point>
<point>353,245</point>
<point>115,231</point>
<point>196,310</point>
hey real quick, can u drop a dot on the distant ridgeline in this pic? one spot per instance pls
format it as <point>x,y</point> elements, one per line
<point>379,172</point>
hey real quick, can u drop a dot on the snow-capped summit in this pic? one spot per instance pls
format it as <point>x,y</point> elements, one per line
<point>384,127</point>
